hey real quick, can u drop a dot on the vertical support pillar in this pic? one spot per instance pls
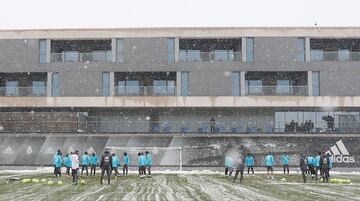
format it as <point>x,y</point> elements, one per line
<point>112,84</point>
<point>113,51</point>
<point>49,84</point>
<point>243,49</point>
<point>307,49</point>
<point>242,83</point>
<point>309,85</point>
<point>48,50</point>
<point>177,50</point>
<point>180,159</point>
<point>178,83</point>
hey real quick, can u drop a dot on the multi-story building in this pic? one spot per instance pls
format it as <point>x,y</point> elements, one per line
<point>154,86</point>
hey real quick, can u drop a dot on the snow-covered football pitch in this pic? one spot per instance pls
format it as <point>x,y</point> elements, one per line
<point>172,185</point>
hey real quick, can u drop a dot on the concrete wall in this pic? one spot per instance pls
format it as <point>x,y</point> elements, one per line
<point>197,150</point>
<point>19,55</point>
<point>275,49</point>
<point>145,50</point>
<point>80,83</point>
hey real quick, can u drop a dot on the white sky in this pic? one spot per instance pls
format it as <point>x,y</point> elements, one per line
<point>34,14</point>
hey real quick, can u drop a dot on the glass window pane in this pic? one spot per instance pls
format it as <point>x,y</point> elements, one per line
<point>159,87</point>
<point>12,88</point>
<point>72,56</point>
<point>55,84</point>
<point>344,55</point>
<point>283,86</point>
<point>317,55</point>
<point>119,50</point>
<point>316,83</point>
<point>301,50</point>
<point>42,51</point>
<point>106,83</point>
<point>250,50</point>
<point>132,87</point>
<point>255,86</point>
<point>38,88</point>
<point>171,50</point>
<point>121,88</point>
<point>184,83</point>
<point>236,84</point>
<point>171,88</point>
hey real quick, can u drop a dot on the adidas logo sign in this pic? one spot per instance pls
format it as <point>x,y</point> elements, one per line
<point>340,154</point>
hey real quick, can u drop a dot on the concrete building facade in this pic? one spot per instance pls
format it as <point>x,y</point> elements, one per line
<point>274,80</point>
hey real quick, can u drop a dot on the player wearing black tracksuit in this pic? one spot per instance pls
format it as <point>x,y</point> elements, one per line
<point>239,169</point>
<point>105,165</point>
<point>303,166</point>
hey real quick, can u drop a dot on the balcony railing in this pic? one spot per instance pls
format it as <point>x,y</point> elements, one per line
<point>145,90</point>
<point>334,56</point>
<point>185,127</point>
<point>220,55</point>
<point>81,57</point>
<point>276,90</point>
<point>22,91</point>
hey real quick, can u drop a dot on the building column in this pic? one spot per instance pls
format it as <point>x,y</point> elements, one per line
<point>178,83</point>
<point>177,50</point>
<point>307,49</point>
<point>243,49</point>
<point>112,84</point>
<point>48,84</point>
<point>48,50</point>
<point>113,50</point>
<point>242,83</point>
<point>309,85</point>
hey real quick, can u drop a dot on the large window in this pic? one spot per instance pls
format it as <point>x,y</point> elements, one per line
<point>282,86</point>
<point>301,50</point>
<point>106,83</point>
<point>171,50</point>
<point>42,51</point>
<point>119,50</point>
<point>55,84</point>
<point>236,84</point>
<point>316,83</point>
<point>250,50</point>
<point>184,83</point>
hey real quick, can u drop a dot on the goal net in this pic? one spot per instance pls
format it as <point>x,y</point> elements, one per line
<point>161,156</point>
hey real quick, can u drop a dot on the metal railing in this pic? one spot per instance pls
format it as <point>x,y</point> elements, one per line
<point>220,55</point>
<point>145,90</point>
<point>276,90</point>
<point>198,127</point>
<point>105,56</point>
<point>334,56</point>
<point>22,91</point>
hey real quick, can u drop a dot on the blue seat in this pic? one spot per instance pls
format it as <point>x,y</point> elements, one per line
<point>270,130</point>
<point>167,129</point>
<point>234,130</point>
<point>185,130</point>
<point>156,129</point>
<point>217,130</point>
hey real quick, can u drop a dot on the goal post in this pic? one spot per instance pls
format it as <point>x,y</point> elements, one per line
<point>162,156</point>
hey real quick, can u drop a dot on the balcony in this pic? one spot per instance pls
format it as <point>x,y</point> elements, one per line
<point>72,56</point>
<point>210,50</point>
<point>276,90</point>
<point>23,84</point>
<point>318,55</point>
<point>145,90</point>
<point>334,49</point>
<point>22,91</point>
<point>145,84</point>
<point>81,51</point>
<point>217,55</point>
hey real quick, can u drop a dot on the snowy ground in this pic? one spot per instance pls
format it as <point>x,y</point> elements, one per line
<point>172,185</point>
